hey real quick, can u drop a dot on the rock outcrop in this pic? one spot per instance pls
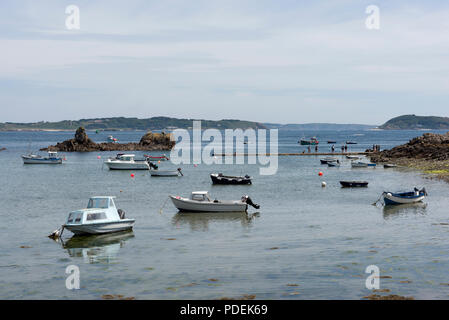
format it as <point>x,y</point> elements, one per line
<point>82,143</point>
<point>429,146</point>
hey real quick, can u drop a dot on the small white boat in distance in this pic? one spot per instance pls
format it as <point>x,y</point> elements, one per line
<point>166,173</point>
<point>126,162</point>
<point>361,164</point>
<point>100,216</point>
<point>52,158</point>
<point>200,201</point>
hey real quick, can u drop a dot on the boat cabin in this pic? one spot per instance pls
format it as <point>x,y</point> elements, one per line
<point>125,157</point>
<point>99,209</point>
<point>200,196</point>
<point>52,154</point>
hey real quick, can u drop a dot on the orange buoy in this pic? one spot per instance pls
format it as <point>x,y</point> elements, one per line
<point>320,173</point>
<point>132,175</point>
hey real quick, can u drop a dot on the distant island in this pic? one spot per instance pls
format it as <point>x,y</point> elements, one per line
<point>414,122</point>
<point>127,124</point>
<point>320,126</point>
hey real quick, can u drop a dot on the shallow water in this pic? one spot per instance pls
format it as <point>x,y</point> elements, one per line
<point>320,239</point>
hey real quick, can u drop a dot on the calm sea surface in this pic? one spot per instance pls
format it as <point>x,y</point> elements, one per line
<point>320,239</point>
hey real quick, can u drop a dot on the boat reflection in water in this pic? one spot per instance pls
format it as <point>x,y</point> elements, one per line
<point>393,211</point>
<point>97,248</point>
<point>200,221</point>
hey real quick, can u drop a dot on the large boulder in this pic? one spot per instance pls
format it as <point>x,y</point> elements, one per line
<point>81,136</point>
<point>429,146</point>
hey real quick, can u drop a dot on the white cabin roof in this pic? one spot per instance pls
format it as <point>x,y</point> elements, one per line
<point>127,155</point>
<point>200,192</point>
<point>103,197</point>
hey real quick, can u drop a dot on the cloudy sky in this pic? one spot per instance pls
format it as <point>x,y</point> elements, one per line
<point>286,61</point>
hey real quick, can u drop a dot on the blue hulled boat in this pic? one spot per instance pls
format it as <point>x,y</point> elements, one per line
<point>417,195</point>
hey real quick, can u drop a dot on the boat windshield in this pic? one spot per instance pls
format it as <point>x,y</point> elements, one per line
<point>99,203</point>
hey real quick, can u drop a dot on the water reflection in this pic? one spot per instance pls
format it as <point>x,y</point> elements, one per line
<point>97,248</point>
<point>392,211</point>
<point>200,221</point>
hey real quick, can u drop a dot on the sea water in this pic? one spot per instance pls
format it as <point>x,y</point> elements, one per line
<point>305,241</point>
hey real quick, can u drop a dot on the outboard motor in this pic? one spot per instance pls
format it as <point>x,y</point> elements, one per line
<point>121,213</point>
<point>423,190</point>
<point>250,202</point>
<point>152,165</point>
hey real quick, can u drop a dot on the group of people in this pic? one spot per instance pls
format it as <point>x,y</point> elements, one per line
<point>376,148</point>
<point>344,148</point>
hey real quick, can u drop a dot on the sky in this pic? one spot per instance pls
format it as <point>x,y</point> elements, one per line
<point>279,61</point>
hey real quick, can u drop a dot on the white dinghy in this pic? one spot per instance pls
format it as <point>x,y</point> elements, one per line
<point>166,173</point>
<point>126,162</point>
<point>100,216</point>
<point>200,201</point>
<point>155,172</point>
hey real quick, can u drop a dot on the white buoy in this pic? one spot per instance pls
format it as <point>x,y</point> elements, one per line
<point>323,184</point>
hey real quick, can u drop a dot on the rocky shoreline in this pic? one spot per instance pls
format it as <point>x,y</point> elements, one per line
<point>428,153</point>
<point>82,143</point>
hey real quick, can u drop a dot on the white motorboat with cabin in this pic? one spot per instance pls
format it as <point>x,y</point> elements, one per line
<point>126,162</point>
<point>100,216</point>
<point>200,201</point>
<point>52,158</point>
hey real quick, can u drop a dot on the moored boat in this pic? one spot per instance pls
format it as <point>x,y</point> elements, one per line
<point>354,184</point>
<point>100,216</point>
<point>327,160</point>
<point>389,165</point>
<point>200,201</point>
<point>311,142</point>
<point>350,157</point>
<point>331,142</point>
<point>333,163</point>
<point>52,158</point>
<point>126,162</point>
<point>219,178</point>
<point>358,164</point>
<point>166,173</point>
<point>414,196</point>
<point>351,142</point>
<point>361,164</point>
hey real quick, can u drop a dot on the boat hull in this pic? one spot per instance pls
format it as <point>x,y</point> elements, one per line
<point>333,164</point>
<point>101,228</point>
<point>186,205</point>
<point>28,160</point>
<point>327,161</point>
<point>216,179</point>
<point>395,198</point>
<point>308,143</point>
<point>164,173</point>
<point>141,165</point>
<point>354,184</point>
